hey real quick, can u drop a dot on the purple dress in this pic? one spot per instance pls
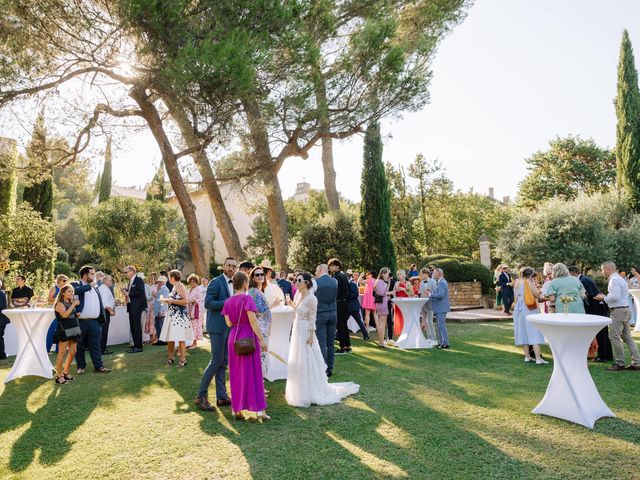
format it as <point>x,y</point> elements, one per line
<point>245,371</point>
<point>381,287</point>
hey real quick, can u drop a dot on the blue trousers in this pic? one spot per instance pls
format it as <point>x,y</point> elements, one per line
<point>326,334</point>
<point>356,315</point>
<point>158,322</point>
<point>441,319</point>
<point>217,367</point>
<point>50,332</point>
<point>89,340</point>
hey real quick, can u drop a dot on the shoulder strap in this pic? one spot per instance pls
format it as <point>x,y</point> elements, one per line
<point>239,315</point>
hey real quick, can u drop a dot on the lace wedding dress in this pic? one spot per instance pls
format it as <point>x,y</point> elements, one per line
<point>306,378</point>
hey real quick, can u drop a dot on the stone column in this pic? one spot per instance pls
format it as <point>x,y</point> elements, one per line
<point>485,250</point>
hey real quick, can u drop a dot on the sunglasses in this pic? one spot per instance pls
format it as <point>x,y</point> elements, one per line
<point>258,274</point>
<point>300,280</point>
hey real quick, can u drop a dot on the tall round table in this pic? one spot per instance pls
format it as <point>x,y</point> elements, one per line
<point>411,335</point>
<point>636,304</point>
<point>31,325</point>
<point>278,349</point>
<point>571,393</point>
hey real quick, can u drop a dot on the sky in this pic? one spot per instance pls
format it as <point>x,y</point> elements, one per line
<point>514,75</point>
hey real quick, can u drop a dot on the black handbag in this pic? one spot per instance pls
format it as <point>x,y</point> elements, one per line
<point>376,298</point>
<point>72,332</point>
<point>243,346</point>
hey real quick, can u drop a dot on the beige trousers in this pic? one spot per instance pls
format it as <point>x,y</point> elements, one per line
<point>620,331</point>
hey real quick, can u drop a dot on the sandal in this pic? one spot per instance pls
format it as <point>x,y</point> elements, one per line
<point>171,361</point>
<point>238,416</point>
<point>262,416</point>
<point>61,382</point>
<point>182,363</point>
<point>68,377</point>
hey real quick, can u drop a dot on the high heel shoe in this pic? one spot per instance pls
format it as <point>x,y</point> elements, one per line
<point>262,416</point>
<point>238,415</point>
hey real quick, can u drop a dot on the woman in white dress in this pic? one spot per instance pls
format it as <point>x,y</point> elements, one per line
<point>177,326</point>
<point>306,377</point>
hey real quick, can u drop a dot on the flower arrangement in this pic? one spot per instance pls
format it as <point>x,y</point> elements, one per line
<point>4,266</point>
<point>566,300</point>
<point>138,267</point>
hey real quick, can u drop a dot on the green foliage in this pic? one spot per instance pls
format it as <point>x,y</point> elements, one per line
<point>8,176</point>
<point>27,238</point>
<point>71,237</point>
<point>460,269</point>
<point>105,179</point>
<point>375,207</point>
<point>571,166</point>
<point>39,189</point>
<point>628,128</point>
<point>405,210</point>
<point>71,183</point>
<point>333,235</point>
<point>586,232</point>
<point>40,196</point>
<point>157,189</point>
<point>121,231</point>
<point>62,268</point>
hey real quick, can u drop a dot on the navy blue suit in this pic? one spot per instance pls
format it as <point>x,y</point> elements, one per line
<point>286,287</point>
<point>354,308</point>
<point>4,321</point>
<point>326,317</point>
<point>90,328</point>
<point>137,304</point>
<point>217,294</point>
<point>506,291</point>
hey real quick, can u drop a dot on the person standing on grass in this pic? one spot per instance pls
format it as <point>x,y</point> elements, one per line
<point>441,306</point>
<point>619,330</point>
<point>427,285</point>
<point>525,333</point>
<point>61,281</point>
<point>109,302</point>
<point>353,306</point>
<point>177,326</point>
<point>245,370</point>
<point>4,320</point>
<point>327,317</point>
<point>257,286</point>
<point>196,307</point>
<point>342,308</point>
<point>218,291</point>
<point>160,308</point>
<point>381,298</point>
<point>67,332</point>
<point>506,289</point>
<point>368,302</point>
<point>136,304</point>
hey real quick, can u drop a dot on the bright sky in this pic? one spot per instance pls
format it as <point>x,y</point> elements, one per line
<point>514,75</point>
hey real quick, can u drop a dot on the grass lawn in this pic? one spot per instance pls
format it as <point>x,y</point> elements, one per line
<point>462,413</point>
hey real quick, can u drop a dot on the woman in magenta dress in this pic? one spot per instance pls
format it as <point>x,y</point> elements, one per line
<point>245,371</point>
<point>368,303</point>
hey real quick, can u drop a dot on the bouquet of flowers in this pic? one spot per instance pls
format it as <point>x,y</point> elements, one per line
<point>566,300</point>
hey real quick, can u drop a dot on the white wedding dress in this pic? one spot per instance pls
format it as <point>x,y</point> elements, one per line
<point>306,377</point>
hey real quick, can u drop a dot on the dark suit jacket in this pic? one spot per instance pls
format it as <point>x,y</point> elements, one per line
<point>79,289</point>
<point>326,294</point>
<point>503,279</point>
<point>353,304</point>
<point>286,287</point>
<point>591,306</point>
<point>217,294</point>
<point>3,305</point>
<point>343,286</point>
<point>137,296</point>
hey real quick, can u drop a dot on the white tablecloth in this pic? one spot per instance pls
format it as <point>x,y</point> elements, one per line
<point>571,394</point>
<point>636,304</point>
<point>29,330</point>
<point>281,322</point>
<point>411,336</point>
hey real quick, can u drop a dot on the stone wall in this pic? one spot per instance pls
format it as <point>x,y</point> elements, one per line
<point>465,294</point>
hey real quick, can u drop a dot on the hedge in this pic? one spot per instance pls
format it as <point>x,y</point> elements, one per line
<point>456,270</point>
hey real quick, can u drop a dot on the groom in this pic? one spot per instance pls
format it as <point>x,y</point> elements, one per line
<point>327,316</point>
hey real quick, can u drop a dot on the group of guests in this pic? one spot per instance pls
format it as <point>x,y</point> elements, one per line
<point>566,289</point>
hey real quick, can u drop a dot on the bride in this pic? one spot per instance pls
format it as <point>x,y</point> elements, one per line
<point>306,378</point>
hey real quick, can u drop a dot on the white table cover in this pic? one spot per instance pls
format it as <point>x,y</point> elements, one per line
<point>281,322</point>
<point>30,326</point>
<point>411,336</point>
<point>636,304</point>
<point>571,393</point>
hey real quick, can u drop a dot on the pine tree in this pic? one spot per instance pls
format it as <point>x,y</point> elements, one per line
<point>105,181</point>
<point>157,190</point>
<point>375,207</point>
<point>96,186</point>
<point>40,193</point>
<point>628,128</point>
<point>8,177</point>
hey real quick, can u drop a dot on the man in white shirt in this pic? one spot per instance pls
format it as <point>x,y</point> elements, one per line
<point>619,330</point>
<point>109,304</point>
<point>90,315</point>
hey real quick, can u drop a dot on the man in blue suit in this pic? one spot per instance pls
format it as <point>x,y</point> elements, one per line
<point>285,285</point>
<point>506,289</point>
<point>218,291</point>
<point>136,304</point>
<point>441,306</point>
<point>327,315</point>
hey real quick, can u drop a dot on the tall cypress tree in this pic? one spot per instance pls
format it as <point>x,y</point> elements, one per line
<point>40,193</point>
<point>628,128</point>
<point>105,180</point>
<point>96,186</point>
<point>157,190</point>
<point>375,207</point>
<point>8,177</point>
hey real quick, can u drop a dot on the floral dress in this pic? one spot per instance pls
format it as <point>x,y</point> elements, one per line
<point>177,325</point>
<point>263,315</point>
<point>196,310</point>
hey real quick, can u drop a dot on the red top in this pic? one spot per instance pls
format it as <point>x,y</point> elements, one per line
<point>401,289</point>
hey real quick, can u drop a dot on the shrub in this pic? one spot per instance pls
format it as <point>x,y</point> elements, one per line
<point>465,271</point>
<point>62,268</point>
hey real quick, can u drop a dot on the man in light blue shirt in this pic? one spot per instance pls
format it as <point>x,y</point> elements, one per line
<point>160,309</point>
<point>619,330</point>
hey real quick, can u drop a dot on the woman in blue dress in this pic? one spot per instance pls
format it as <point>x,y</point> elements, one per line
<point>257,286</point>
<point>525,333</point>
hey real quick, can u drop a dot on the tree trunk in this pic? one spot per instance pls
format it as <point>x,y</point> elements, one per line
<point>223,220</point>
<point>151,115</point>
<point>275,202</point>
<point>330,190</point>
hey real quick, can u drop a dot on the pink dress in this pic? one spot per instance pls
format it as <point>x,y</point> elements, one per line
<point>245,371</point>
<point>150,324</point>
<point>368,302</point>
<point>196,310</point>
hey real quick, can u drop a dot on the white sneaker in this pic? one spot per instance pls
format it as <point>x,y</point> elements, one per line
<point>528,359</point>
<point>542,361</point>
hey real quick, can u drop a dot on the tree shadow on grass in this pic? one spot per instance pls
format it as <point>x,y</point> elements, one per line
<point>65,409</point>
